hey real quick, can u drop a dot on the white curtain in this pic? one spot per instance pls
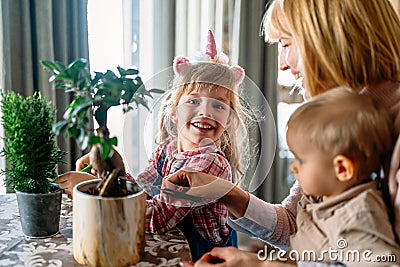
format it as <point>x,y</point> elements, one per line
<point>34,30</point>
<point>172,28</point>
<point>179,27</point>
<point>195,18</point>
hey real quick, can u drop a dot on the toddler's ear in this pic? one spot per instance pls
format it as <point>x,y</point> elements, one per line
<point>239,73</point>
<point>344,168</point>
<point>180,64</point>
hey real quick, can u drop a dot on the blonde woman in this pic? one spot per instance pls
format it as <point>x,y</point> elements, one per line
<point>330,43</point>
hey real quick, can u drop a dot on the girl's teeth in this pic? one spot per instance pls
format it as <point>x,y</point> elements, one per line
<point>201,125</point>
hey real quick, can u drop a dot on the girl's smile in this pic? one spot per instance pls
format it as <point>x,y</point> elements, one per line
<point>203,126</point>
<point>202,114</point>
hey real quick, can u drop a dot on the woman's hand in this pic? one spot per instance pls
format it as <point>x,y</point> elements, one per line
<point>212,188</point>
<point>68,180</point>
<point>200,184</point>
<point>191,178</point>
<point>232,257</point>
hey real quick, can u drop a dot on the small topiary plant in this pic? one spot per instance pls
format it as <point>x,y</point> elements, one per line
<point>29,143</point>
<point>94,96</point>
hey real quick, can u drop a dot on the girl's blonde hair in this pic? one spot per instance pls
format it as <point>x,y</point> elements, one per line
<point>351,43</point>
<point>343,122</point>
<point>210,76</point>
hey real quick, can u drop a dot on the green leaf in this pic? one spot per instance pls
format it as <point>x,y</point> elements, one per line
<point>54,67</point>
<point>83,106</point>
<point>127,96</point>
<point>60,127</point>
<point>104,151</point>
<point>140,101</point>
<point>82,139</point>
<point>73,131</point>
<point>101,116</point>
<point>71,108</point>
<point>121,71</point>
<point>109,75</point>
<point>113,141</point>
<point>64,77</point>
<point>144,92</point>
<point>78,64</point>
<point>131,72</point>
<point>156,91</point>
<point>84,142</point>
<point>111,101</point>
<point>94,139</point>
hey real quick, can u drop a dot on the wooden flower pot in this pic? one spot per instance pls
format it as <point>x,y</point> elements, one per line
<point>108,231</point>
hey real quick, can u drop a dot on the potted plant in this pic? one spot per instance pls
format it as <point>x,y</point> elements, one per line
<point>115,202</point>
<point>32,157</point>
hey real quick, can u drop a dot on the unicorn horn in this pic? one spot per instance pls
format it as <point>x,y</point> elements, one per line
<point>211,49</point>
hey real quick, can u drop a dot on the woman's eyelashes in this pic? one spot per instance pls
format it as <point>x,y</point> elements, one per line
<point>284,44</point>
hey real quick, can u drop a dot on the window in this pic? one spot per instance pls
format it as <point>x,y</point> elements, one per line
<point>133,41</point>
<point>110,46</point>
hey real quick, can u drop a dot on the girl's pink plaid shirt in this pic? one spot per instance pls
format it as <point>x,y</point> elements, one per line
<point>209,220</point>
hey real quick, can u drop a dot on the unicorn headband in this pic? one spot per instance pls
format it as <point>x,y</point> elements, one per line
<point>183,63</point>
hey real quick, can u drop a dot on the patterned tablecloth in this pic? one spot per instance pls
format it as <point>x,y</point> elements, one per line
<point>17,250</point>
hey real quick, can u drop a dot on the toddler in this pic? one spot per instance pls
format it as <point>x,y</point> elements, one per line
<point>340,141</point>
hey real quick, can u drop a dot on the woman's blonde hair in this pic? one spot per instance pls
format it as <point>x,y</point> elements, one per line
<point>343,122</point>
<point>210,76</point>
<point>353,43</point>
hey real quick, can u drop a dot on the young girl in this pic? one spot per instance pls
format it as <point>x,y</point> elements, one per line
<point>199,122</point>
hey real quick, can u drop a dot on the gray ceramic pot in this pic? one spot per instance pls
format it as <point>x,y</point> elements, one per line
<point>39,213</point>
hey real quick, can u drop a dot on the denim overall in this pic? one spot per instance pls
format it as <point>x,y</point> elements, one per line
<point>198,244</point>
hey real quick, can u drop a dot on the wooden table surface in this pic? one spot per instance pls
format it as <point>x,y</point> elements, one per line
<point>17,250</point>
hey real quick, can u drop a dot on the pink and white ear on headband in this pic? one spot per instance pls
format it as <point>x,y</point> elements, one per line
<point>239,73</point>
<point>180,64</point>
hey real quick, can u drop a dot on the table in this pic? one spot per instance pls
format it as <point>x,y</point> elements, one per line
<point>17,250</point>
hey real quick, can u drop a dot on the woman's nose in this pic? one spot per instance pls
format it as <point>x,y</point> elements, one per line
<point>283,64</point>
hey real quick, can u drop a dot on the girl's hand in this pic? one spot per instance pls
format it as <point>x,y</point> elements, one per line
<point>68,180</point>
<point>83,162</point>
